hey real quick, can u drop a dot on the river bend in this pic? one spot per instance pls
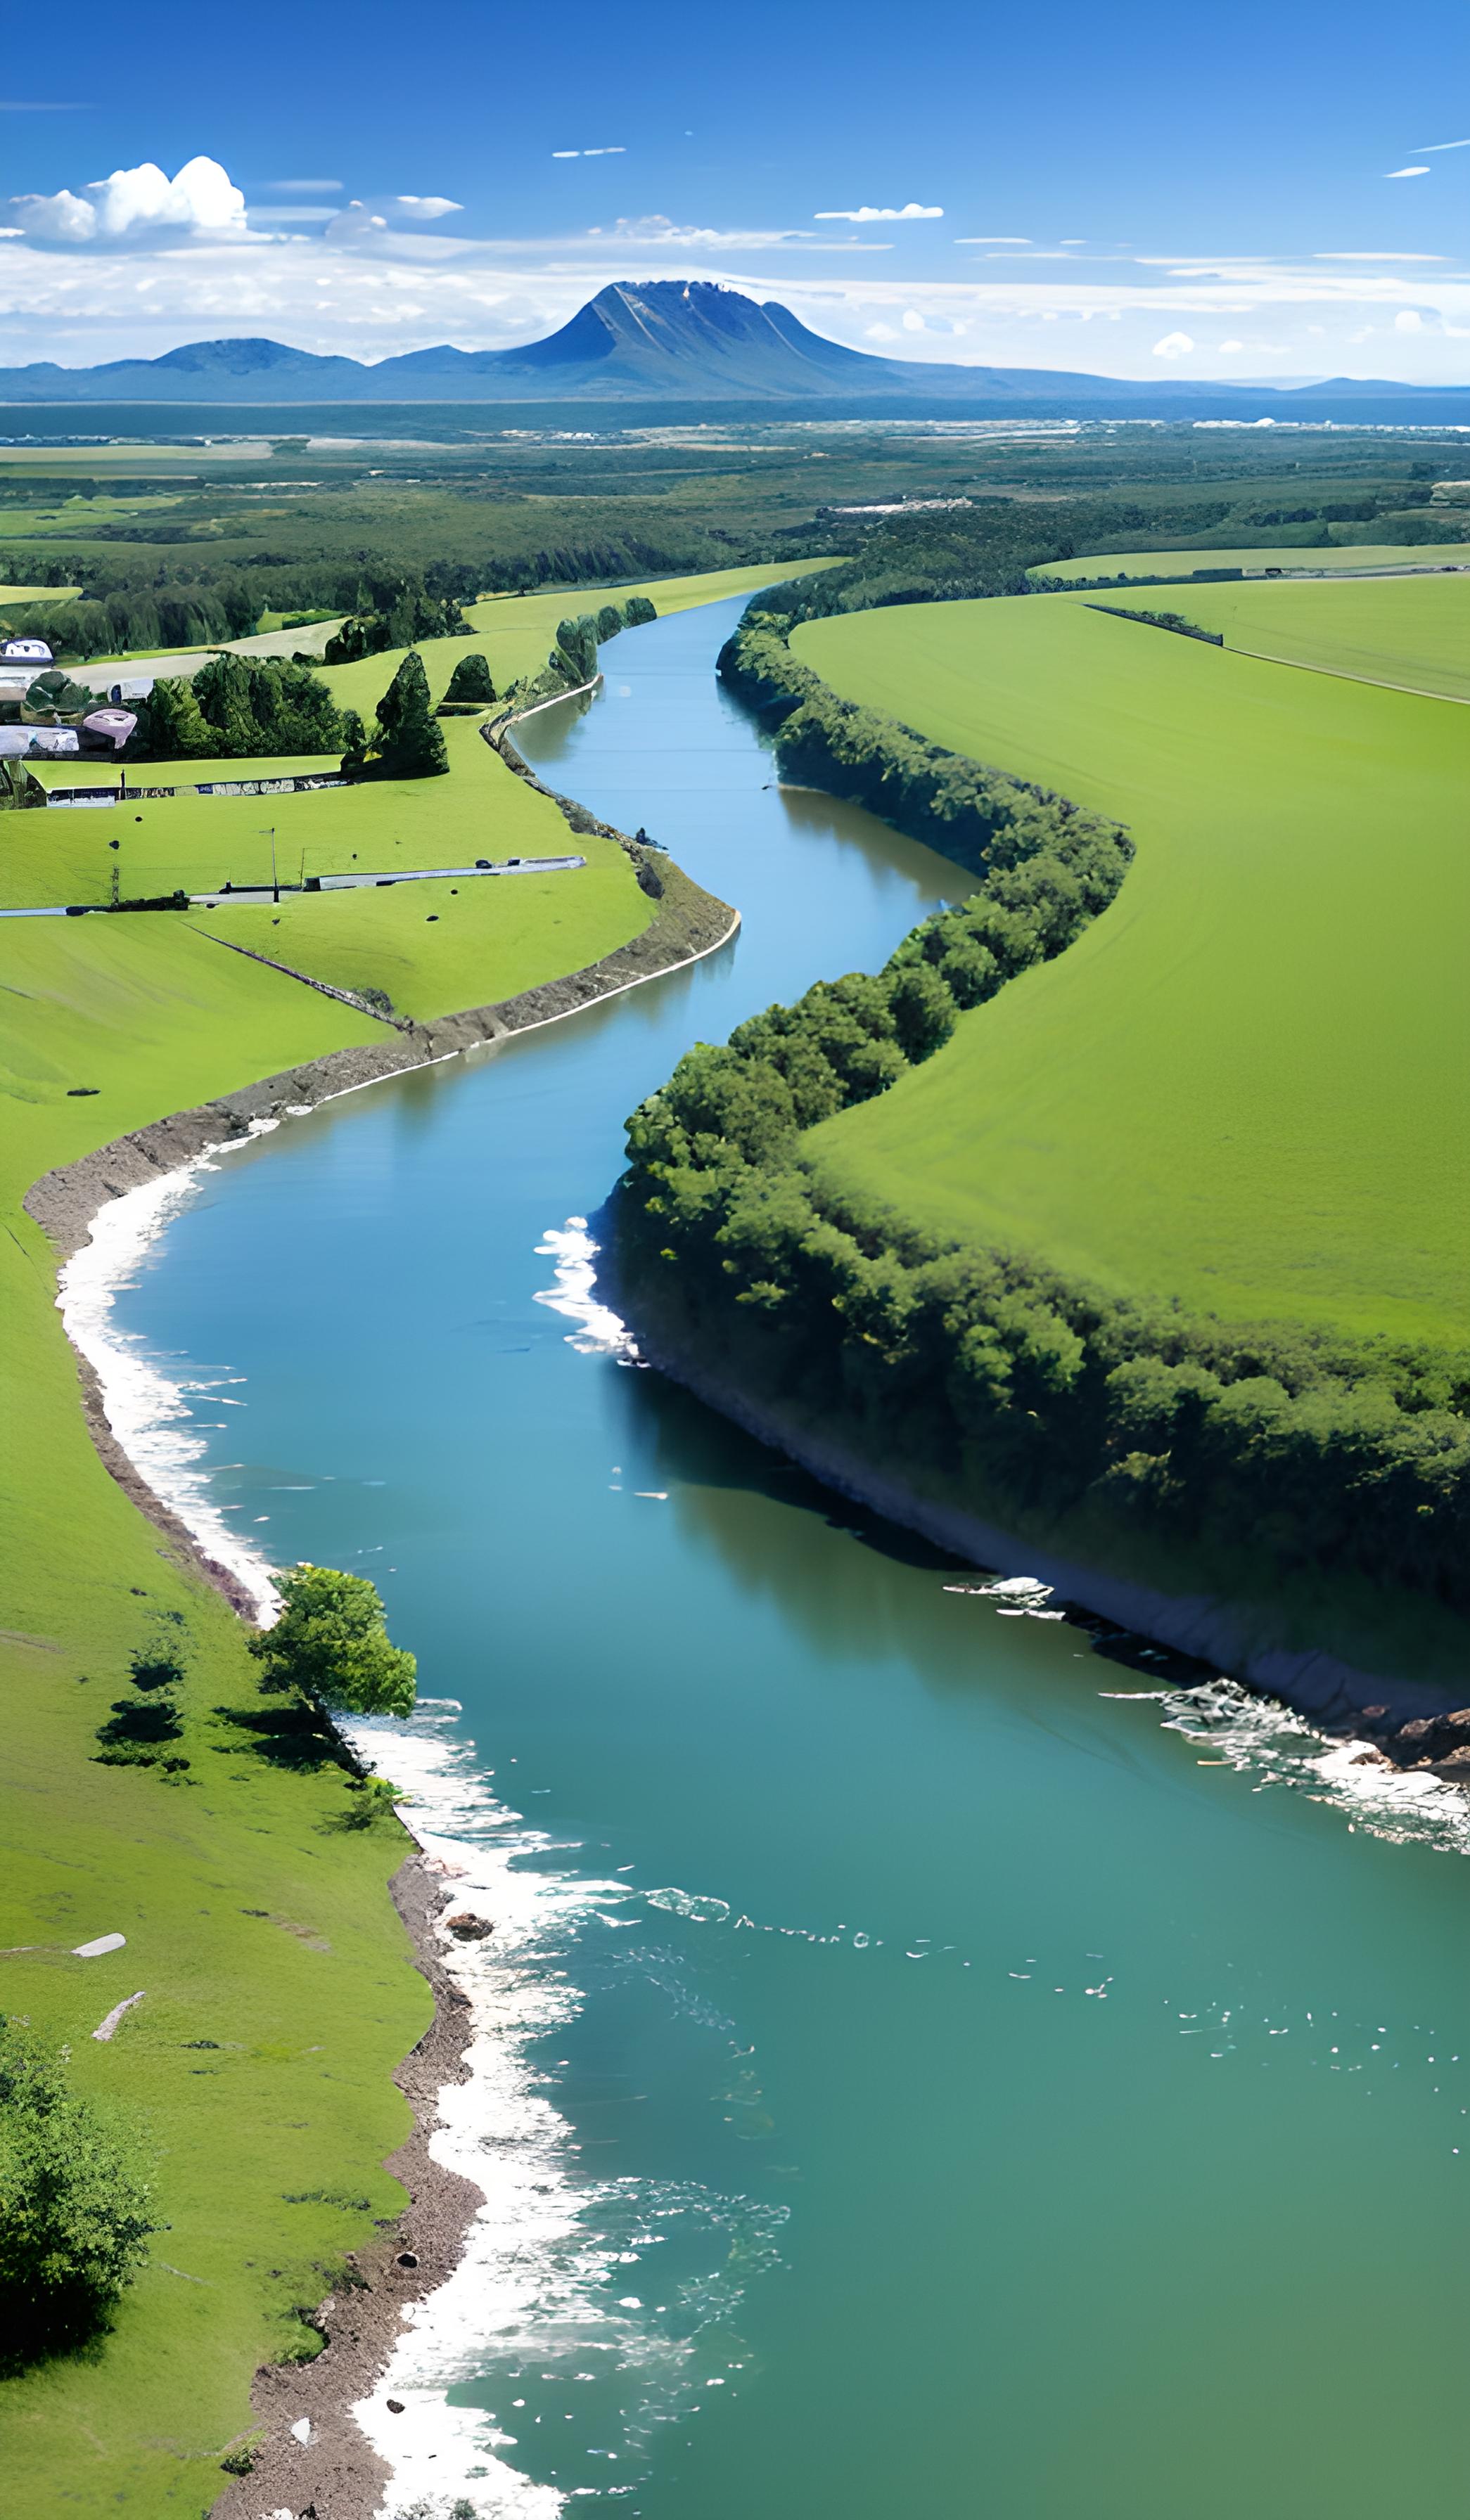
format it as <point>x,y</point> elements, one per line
<point>931,2072</point>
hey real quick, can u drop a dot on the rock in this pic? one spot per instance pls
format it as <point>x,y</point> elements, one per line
<point>467,1928</point>
<point>406,2258</point>
<point>396,2406</point>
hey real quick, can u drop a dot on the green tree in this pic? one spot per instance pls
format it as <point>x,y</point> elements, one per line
<point>471,679</point>
<point>408,743</point>
<point>172,726</point>
<point>75,2207</point>
<point>223,689</point>
<point>331,1642</point>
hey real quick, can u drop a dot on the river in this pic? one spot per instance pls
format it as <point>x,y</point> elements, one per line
<point>929,2069</point>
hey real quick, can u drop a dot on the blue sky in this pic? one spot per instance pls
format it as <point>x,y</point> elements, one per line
<point>1131,191</point>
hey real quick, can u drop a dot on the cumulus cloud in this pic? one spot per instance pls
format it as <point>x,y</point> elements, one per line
<point>910,210</point>
<point>199,197</point>
<point>423,206</point>
<point>1174,345</point>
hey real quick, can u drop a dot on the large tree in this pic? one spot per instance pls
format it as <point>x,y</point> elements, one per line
<point>331,1642</point>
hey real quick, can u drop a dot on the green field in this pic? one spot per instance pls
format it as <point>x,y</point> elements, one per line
<point>1246,1085</point>
<point>253,1921</point>
<point>1288,557</point>
<point>1410,631</point>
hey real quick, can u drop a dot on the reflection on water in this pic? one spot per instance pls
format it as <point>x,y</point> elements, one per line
<point>919,2070</point>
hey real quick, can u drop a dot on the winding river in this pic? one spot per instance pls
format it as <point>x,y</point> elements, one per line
<point>927,2067</point>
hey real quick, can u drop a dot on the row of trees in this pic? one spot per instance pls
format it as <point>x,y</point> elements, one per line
<point>983,1372</point>
<point>572,661</point>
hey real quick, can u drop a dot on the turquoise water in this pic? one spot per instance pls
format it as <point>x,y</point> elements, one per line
<point>955,2082</point>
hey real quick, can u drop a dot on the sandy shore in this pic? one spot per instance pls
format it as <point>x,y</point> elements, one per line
<point>334,2472</point>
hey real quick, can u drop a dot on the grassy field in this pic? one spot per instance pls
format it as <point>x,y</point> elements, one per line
<point>253,1922</point>
<point>1412,631</point>
<point>1246,1085</point>
<point>1289,558</point>
<point>310,2004</point>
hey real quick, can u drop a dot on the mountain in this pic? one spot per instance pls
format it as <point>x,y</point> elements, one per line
<point>692,341</point>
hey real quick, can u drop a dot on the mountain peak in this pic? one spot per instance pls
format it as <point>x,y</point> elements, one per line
<point>686,342</point>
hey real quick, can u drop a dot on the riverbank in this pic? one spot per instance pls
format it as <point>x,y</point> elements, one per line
<point>1262,1640</point>
<point>361,2318</point>
<point>248,1897</point>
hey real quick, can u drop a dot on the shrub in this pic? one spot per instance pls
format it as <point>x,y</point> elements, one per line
<point>471,679</point>
<point>75,2209</point>
<point>331,1642</point>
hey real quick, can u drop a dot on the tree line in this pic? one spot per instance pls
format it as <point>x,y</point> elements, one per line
<point>983,1372</point>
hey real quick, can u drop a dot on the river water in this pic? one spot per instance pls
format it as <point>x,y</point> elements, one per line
<point>926,2071</point>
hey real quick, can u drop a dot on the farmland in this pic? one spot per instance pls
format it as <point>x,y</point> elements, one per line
<point>1256,557</point>
<point>1410,631</point>
<point>1244,1086</point>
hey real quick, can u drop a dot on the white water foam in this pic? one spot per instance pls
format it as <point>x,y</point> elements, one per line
<point>1261,1738</point>
<point>598,1331</point>
<point>548,2245</point>
<point>150,1413</point>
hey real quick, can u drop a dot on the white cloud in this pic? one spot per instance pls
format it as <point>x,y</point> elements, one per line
<point>1395,173</point>
<point>880,333</point>
<point>1228,348</point>
<point>618,152</point>
<point>913,321</point>
<point>1174,345</point>
<point>423,206</point>
<point>1432,148</point>
<point>1378,258</point>
<point>910,210</point>
<point>1408,320</point>
<point>992,239</point>
<point>199,197</point>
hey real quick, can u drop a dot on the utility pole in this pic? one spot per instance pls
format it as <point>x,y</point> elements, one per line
<point>275,888</point>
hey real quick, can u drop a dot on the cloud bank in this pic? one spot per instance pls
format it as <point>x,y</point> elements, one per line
<point>139,262</point>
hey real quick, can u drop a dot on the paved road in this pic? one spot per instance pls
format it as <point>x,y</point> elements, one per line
<point>246,894</point>
<point>103,674</point>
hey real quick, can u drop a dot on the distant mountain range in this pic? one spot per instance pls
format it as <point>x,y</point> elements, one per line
<point>691,341</point>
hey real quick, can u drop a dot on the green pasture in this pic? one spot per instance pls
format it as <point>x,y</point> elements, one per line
<point>1290,559</point>
<point>437,947</point>
<point>311,2005</point>
<point>279,1991</point>
<point>1246,1085</point>
<point>37,594</point>
<point>481,810</point>
<point>1410,631</point>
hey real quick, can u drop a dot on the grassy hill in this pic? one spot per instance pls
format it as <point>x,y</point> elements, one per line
<point>1245,1086</point>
